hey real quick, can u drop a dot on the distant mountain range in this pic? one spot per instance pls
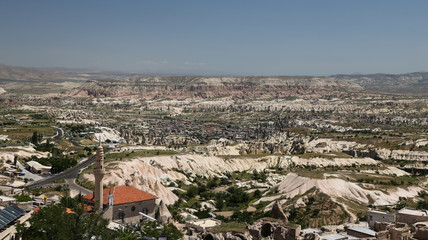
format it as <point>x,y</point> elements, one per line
<point>254,87</point>
<point>408,84</point>
<point>9,73</point>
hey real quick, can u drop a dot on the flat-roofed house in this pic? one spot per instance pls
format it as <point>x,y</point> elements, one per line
<point>36,167</point>
<point>361,232</point>
<point>379,216</point>
<point>411,216</point>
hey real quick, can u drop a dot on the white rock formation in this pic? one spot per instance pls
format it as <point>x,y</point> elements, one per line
<point>402,155</point>
<point>150,173</point>
<point>293,185</point>
<point>108,133</point>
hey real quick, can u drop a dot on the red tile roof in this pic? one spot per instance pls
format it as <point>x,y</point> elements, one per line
<point>68,210</point>
<point>123,194</point>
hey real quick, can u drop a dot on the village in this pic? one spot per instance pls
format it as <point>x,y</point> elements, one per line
<point>155,160</point>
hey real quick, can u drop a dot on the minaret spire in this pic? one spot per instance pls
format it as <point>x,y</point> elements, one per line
<point>99,175</point>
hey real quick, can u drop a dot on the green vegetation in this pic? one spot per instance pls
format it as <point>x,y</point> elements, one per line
<point>138,153</point>
<point>60,189</point>
<point>330,155</point>
<point>69,220</point>
<point>58,164</point>
<point>22,198</point>
<point>151,229</point>
<point>319,210</point>
<point>53,222</point>
<point>229,227</point>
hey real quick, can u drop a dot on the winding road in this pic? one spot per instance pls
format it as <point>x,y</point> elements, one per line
<point>59,133</point>
<point>76,189</point>
<point>69,175</point>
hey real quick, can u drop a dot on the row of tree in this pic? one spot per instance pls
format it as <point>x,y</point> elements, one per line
<point>70,220</point>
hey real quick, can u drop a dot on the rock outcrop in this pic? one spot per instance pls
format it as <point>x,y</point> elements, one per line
<point>410,83</point>
<point>212,87</point>
<point>402,155</point>
<point>293,185</point>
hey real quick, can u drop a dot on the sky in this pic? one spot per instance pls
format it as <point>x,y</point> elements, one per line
<point>230,37</point>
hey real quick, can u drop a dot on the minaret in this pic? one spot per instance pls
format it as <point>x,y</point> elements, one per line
<point>99,174</point>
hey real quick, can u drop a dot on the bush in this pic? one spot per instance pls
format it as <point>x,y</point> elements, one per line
<point>192,192</point>
<point>423,194</point>
<point>362,216</point>
<point>422,204</point>
<point>22,198</point>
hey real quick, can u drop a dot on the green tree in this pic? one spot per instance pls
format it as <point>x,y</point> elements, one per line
<point>422,204</point>
<point>22,198</point>
<point>192,192</point>
<point>155,230</point>
<point>127,233</point>
<point>54,222</point>
<point>35,138</point>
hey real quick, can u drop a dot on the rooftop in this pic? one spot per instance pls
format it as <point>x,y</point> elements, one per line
<point>363,230</point>
<point>413,212</point>
<point>311,230</point>
<point>123,194</point>
<point>37,165</point>
<point>336,236</point>
<point>379,211</point>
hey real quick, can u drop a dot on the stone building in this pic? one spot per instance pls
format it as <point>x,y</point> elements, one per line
<point>360,232</point>
<point>123,203</point>
<point>274,229</point>
<point>411,216</point>
<point>379,216</point>
<point>99,173</point>
<point>36,167</point>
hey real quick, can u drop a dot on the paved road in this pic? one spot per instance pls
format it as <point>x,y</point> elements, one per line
<point>70,173</point>
<point>76,189</point>
<point>59,132</point>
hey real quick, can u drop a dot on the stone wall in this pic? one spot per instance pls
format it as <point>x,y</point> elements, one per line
<point>421,234</point>
<point>379,216</point>
<point>131,210</point>
<point>410,219</point>
<point>273,229</point>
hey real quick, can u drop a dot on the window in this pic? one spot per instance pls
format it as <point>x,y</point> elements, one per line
<point>133,208</point>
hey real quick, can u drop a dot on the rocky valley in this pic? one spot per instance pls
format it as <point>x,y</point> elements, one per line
<point>225,146</point>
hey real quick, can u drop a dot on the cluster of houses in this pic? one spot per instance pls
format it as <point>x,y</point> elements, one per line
<point>120,204</point>
<point>405,224</point>
<point>154,130</point>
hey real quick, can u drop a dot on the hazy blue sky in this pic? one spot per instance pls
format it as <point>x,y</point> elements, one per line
<point>319,37</point>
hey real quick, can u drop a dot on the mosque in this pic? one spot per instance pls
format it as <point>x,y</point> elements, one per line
<point>123,203</point>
